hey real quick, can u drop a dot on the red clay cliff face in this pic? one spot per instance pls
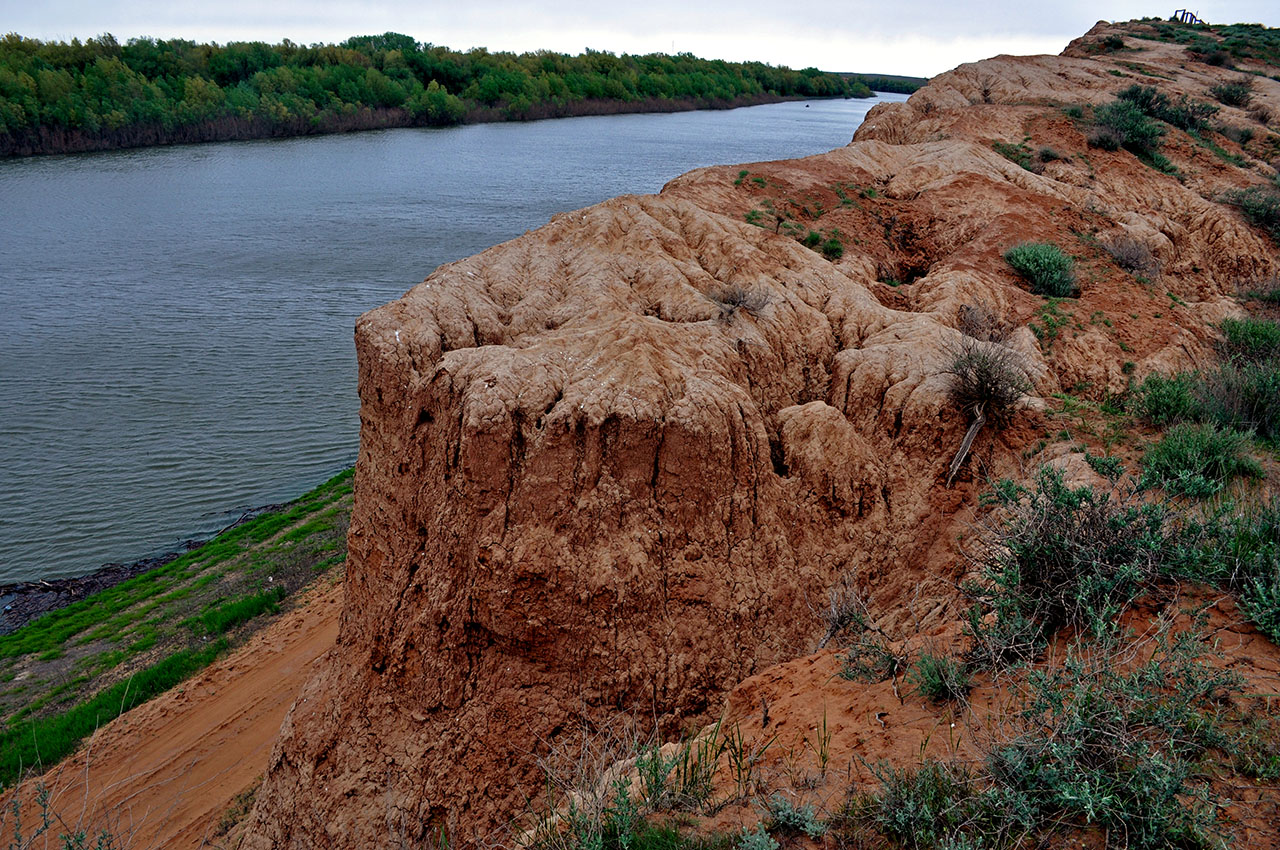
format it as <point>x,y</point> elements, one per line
<point>588,483</point>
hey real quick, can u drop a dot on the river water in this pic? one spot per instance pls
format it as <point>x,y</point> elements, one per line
<point>175,323</point>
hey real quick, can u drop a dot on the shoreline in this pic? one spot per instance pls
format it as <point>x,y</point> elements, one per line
<point>23,601</point>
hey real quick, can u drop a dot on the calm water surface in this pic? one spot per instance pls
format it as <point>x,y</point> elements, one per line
<point>175,323</point>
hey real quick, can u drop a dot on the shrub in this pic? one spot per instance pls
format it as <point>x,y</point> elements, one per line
<point>1197,460</point>
<point>757,839</point>
<point>832,248</point>
<point>986,375</point>
<point>1100,741</point>
<point>1264,289</point>
<point>1133,256</point>
<point>1236,93</point>
<point>1240,135</point>
<point>1064,557</point>
<point>1043,265</point>
<point>1121,124</point>
<point>1261,206</point>
<point>786,817</point>
<point>1163,401</point>
<point>1190,115</point>
<point>1250,340</point>
<point>1260,600</point>
<point>870,660</point>
<point>921,807</point>
<point>939,677</point>
<point>1244,396</point>
<point>980,322</point>
<point>733,298</point>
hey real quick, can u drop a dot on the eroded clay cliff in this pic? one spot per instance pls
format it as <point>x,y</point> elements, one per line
<point>614,465</point>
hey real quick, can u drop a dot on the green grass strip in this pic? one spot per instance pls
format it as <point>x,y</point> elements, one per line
<point>104,608</point>
<point>45,741</point>
<point>224,618</point>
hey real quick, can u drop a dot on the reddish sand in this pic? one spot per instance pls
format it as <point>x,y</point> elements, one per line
<point>163,775</point>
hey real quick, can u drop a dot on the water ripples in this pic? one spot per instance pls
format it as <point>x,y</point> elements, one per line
<point>175,323</point>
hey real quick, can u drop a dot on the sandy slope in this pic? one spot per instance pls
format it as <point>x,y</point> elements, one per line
<point>164,774</point>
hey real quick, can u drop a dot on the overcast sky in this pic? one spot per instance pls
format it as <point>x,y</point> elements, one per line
<point>919,37</point>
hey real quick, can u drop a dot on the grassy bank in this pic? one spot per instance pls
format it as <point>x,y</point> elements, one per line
<point>74,669</point>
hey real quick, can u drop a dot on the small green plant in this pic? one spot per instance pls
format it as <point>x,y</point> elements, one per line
<point>1109,467</point>
<point>1165,400</point>
<point>784,816</point>
<point>1260,206</point>
<point>1198,460</point>
<point>757,839</point>
<point>1236,93</point>
<point>832,248</point>
<point>1043,265</point>
<point>939,678</point>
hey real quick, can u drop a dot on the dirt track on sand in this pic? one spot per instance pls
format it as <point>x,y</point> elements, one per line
<point>163,775</point>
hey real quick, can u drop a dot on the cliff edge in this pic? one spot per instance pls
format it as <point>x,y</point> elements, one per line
<point>614,465</point>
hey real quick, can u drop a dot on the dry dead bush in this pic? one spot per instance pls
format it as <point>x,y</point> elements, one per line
<point>987,381</point>
<point>734,297</point>
<point>1262,113</point>
<point>1133,256</point>
<point>980,322</point>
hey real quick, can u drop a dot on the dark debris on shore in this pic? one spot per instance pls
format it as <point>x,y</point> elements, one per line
<point>21,602</point>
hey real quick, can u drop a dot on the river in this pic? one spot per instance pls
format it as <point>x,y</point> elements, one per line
<point>175,323</point>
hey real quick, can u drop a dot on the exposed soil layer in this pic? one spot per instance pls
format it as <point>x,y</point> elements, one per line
<point>614,465</point>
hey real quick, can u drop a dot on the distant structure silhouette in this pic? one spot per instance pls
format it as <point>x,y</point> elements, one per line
<point>1187,17</point>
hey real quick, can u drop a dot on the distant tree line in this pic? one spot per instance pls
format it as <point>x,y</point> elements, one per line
<point>58,97</point>
<point>890,82</point>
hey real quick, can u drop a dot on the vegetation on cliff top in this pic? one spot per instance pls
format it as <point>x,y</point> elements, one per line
<point>96,94</point>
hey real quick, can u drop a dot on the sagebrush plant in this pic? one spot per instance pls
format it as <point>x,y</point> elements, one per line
<point>982,323</point>
<point>1198,460</point>
<point>1062,556</point>
<point>987,380</point>
<point>1121,124</point>
<point>1164,400</point>
<point>1250,339</point>
<point>1261,206</point>
<point>1111,738</point>
<point>1184,113</point>
<point>784,816</point>
<point>1235,93</point>
<point>987,375</point>
<point>1045,267</point>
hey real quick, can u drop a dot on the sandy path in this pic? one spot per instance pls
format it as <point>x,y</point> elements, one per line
<point>162,775</point>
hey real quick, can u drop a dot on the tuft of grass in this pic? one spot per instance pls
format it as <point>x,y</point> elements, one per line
<point>1260,206</point>
<point>44,741</point>
<point>939,678</point>
<point>1235,93</point>
<point>1198,460</point>
<point>1043,265</point>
